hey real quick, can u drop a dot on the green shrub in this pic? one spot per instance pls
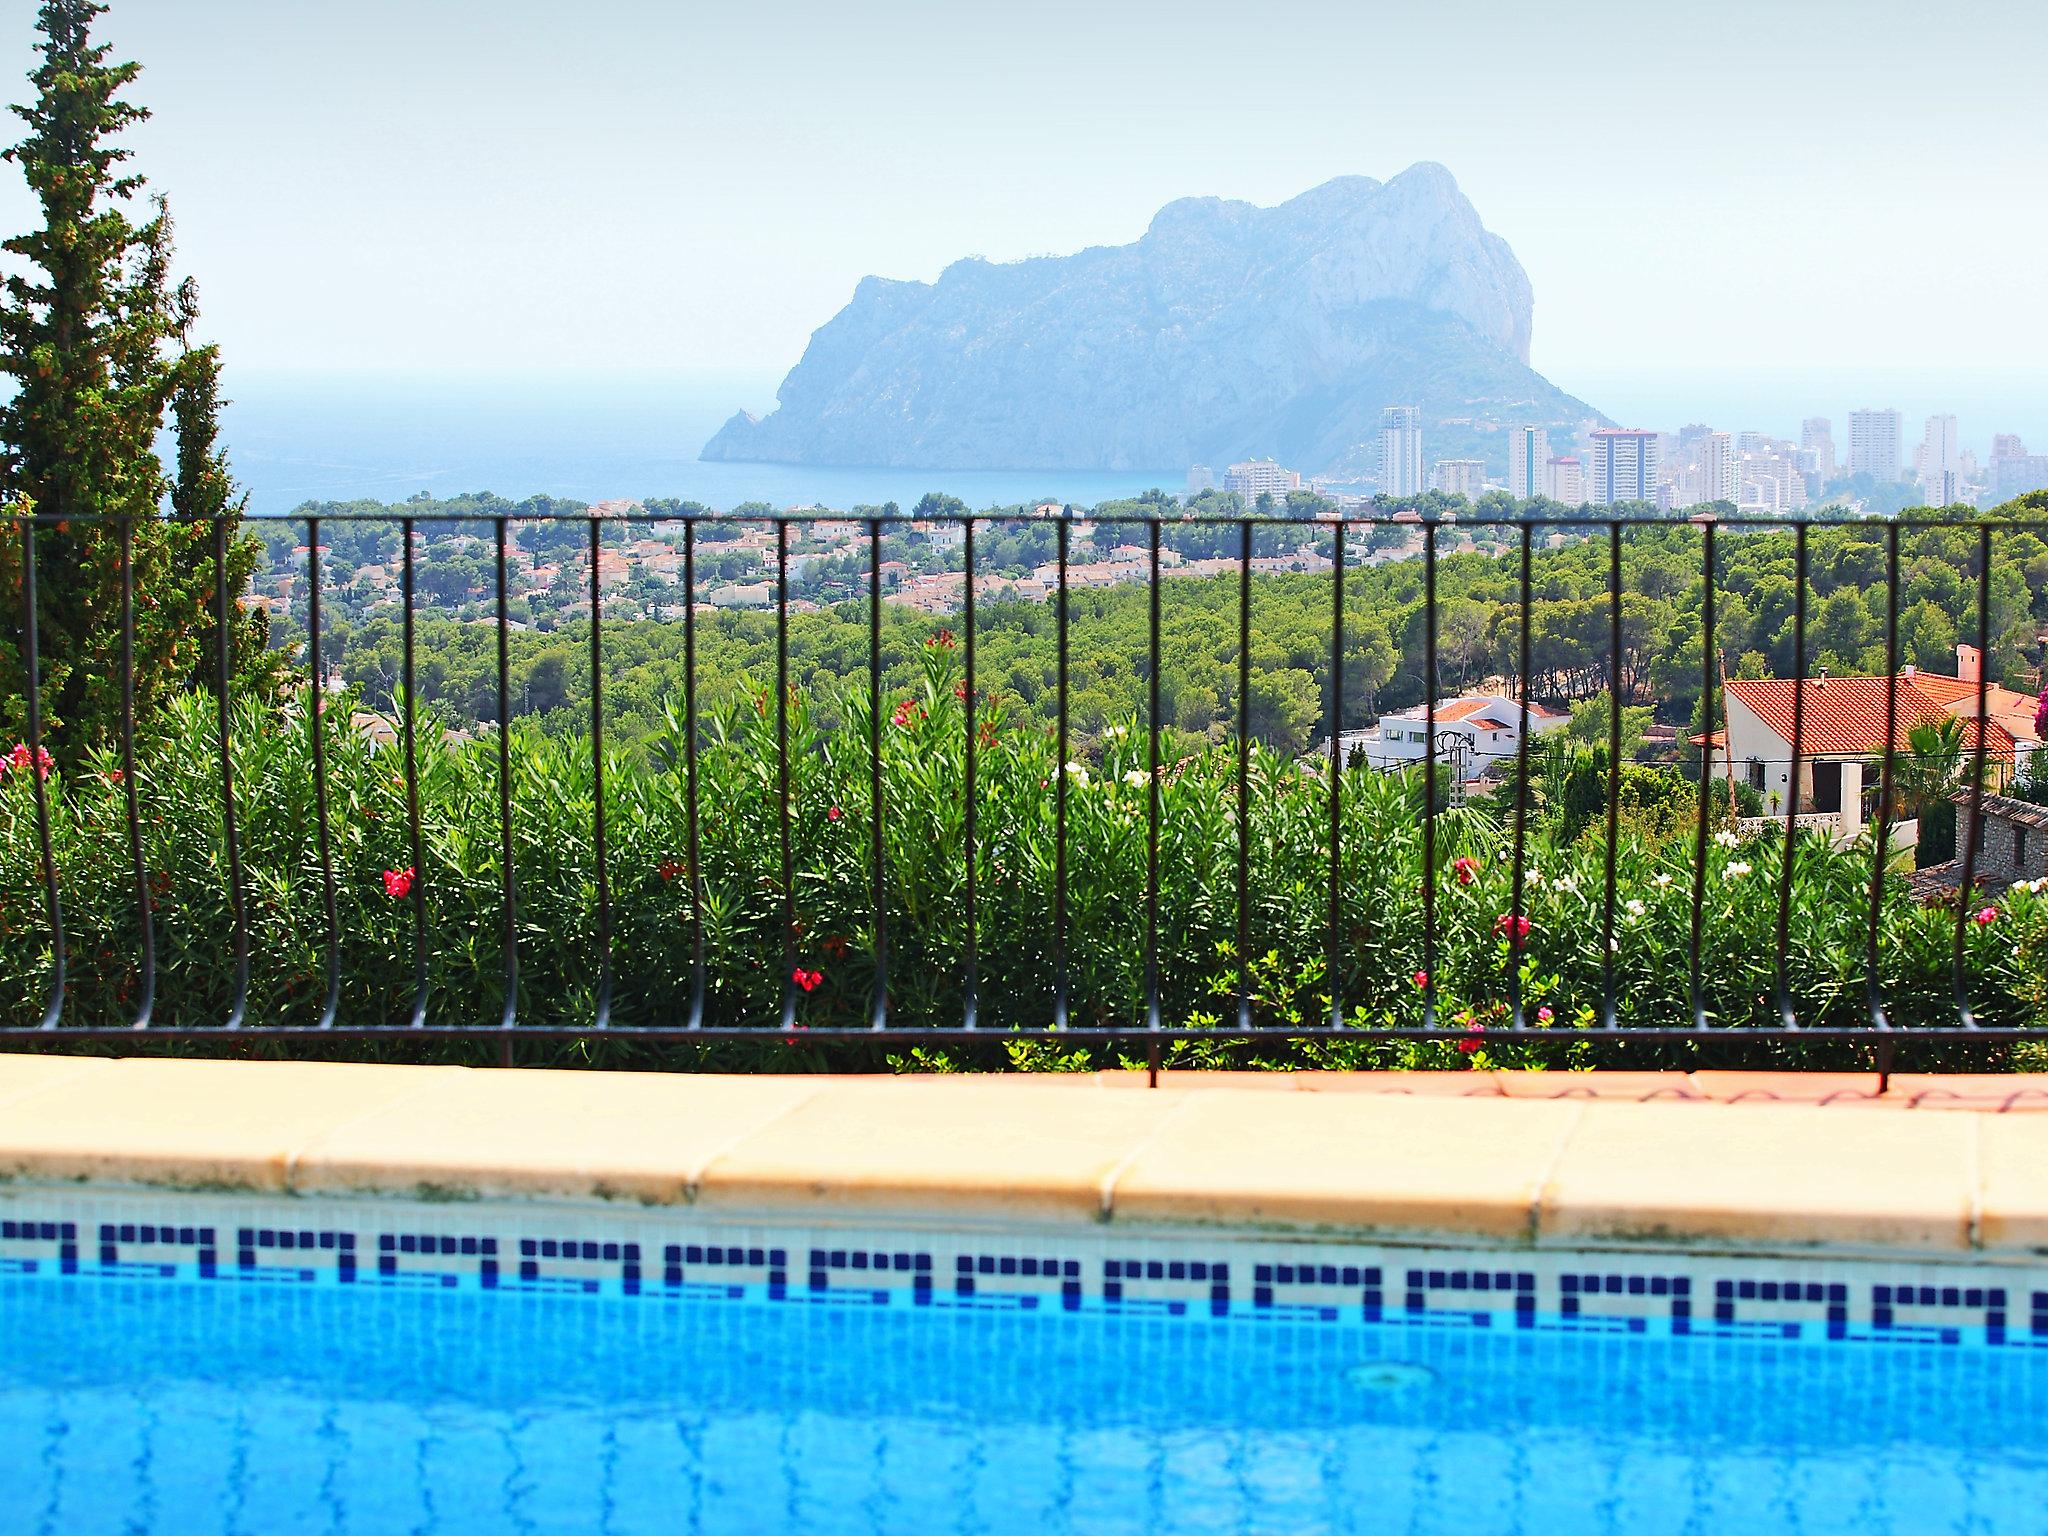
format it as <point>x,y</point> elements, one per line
<point>923,732</point>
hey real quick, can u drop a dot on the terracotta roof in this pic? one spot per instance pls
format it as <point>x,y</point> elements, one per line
<point>1488,723</point>
<point>2014,711</point>
<point>1846,714</point>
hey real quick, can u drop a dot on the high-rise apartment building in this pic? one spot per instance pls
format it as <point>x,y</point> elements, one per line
<point>1260,477</point>
<point>1874,444</point>
<point>1461,477</point>
<point>1938,461</point>
<point>1401,450</point>
<point>1720,472</point>
<point>2006,445</point>
<point>1564,479</point>
<point>1528,455</point>
<point>1624,466</point>
<point>1817,437</point>
<point>1200,478</point>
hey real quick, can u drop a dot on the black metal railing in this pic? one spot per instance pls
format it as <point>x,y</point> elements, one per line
<point>1151,1025</point>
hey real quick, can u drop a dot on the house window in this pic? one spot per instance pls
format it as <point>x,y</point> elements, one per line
<point>1756,773</point>
<point>2019,849</point>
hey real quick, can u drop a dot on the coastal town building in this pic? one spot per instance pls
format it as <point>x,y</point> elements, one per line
<point>1564,479</point>
<point>1528,457</point>
<point>1817,437</point>
<point>1401,450</point>
<point>1874,444</point>
<point>1460,477</point>
<point>1260,477</point>
<point>1623,466</point>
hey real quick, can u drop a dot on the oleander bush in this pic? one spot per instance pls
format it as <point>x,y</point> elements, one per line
<point>825,966</point>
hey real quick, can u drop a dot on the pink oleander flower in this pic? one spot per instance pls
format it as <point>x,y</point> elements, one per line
<point>668,869</point>
<point>906,712</point>
<point>398,883</point>
<point>1512,928</point>
<point>808,980</point>
<point>2041,714</point>
<point>1985,917</point>
<point>834,814</point>
<point>20,757</point>
<point>1543,1014</point>
<point>942,641</point>
<point>1422,978</point>
<point>1475,1039</point>
<point>1467,870</point>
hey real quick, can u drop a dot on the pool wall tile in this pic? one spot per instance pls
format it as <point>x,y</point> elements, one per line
<point>647,1253</point>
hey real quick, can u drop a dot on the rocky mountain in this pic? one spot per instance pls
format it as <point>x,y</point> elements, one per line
<point>1225,332</point>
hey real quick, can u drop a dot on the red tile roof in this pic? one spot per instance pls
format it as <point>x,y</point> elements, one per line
<point>1846,714</point>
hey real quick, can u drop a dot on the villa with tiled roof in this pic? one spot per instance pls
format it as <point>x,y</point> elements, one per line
<point>1840,723</point>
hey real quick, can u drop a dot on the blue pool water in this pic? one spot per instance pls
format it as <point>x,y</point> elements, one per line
<point>187,1407</point>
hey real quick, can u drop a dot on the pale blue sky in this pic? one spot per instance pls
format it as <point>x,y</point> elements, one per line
<point>626,185</point>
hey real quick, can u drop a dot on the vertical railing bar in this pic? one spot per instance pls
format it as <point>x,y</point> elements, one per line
<point>238,900</point>
<point>1059,780</point>
<point>1429,976</point>
<point>53,906</point>
<point>1333,949</point>
<point>508,884</point>
<point>695,850</point>
<point>878,847</point>
<point>1696,980</point>
<point>1244,763</point>
<point>412,788</point>
<point>1152,788</point>
<point>1873,985</point>
<point>1610,1010</point>
<point>972,979</point>
<point>1965,1014</point>
<point>789,989</point>
<point>603,1016</point>
<point>145,904</point>
<point>316,714</point>
<point>1517,942</point>
<point>1788,1012</point>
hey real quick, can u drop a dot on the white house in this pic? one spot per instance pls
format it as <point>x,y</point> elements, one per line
<point>1842,731</point>
<point>1480,729</point>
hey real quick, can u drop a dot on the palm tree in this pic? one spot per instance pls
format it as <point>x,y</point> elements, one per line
<point>1933,767</point>
<point>1926,777</point>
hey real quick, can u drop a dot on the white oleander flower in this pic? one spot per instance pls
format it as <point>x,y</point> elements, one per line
<point>1116,733</point>
<point>1078,774</point>
<point>1661,881</point>
<point>1636,909</point>
<point>1136,777</point>
<point>1726,838</point>
<point>1735,871</point>
<point>1567,886</point>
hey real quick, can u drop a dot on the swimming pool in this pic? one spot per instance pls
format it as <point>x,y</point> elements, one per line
<point>136,1404</point>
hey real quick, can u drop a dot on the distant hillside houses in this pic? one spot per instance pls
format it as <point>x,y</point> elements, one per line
<point>1475,733</point>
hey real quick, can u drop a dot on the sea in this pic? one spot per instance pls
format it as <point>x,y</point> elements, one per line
<point>294,438</point>
<point>299,437</point>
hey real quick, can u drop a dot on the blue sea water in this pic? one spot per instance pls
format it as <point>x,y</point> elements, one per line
<point>299,438</point>
<point>201,1408</point>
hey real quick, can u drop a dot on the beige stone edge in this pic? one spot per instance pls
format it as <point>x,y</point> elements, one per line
<point>1490,1173</point>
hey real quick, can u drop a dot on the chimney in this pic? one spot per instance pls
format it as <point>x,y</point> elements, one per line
<point>1822,680</point>
<point>1969,663</point>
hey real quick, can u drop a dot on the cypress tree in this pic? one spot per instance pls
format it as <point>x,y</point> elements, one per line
<point>93,336</point>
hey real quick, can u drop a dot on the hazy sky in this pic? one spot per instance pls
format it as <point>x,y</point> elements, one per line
<point>678,184</point>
